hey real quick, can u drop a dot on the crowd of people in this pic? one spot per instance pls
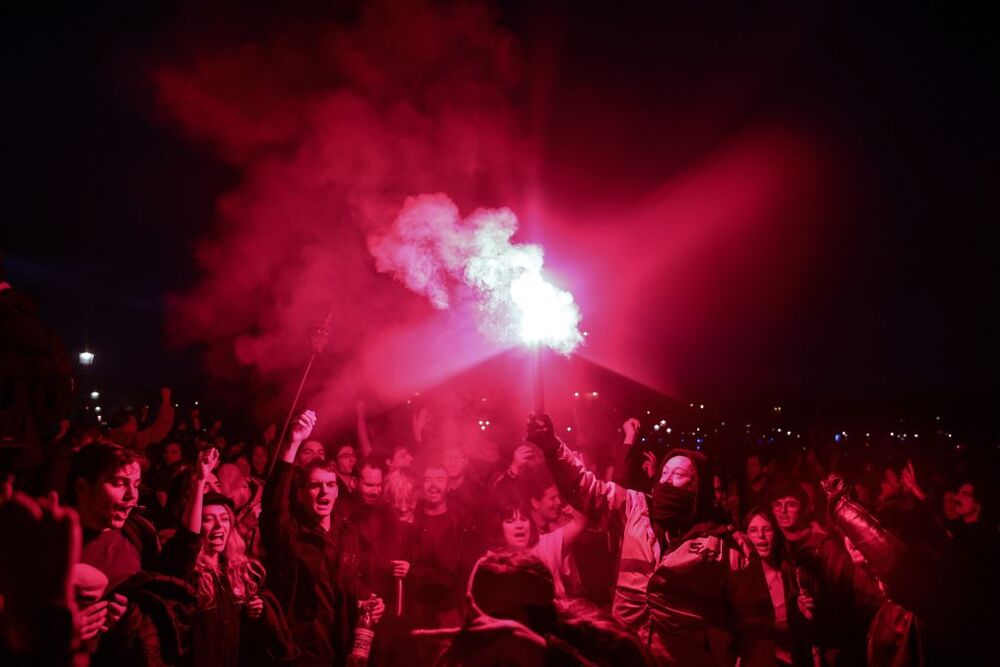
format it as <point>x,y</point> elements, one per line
<point>159,543</point>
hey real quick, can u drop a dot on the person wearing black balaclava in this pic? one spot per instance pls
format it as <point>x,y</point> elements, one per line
<point>708,602</point>
<point>684,585</point>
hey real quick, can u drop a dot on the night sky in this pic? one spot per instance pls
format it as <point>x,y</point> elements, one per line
<point>894,298</point>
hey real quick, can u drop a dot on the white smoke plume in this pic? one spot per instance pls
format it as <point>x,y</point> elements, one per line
<point>433,251</point>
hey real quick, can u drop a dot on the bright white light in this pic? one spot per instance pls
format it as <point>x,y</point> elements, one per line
<point>95,395</point>
<point>569,428</point>
<point>594,394</point>
<point>97,408</point>
<point>668,429</point>
<point>86,358</point>
<point>576,394</point>
<point>663,422</point>
<point>548,315</point>
<point>656,427</point>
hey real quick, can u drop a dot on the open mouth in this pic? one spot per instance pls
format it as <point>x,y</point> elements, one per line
<point>324,503</point>
<point>121,511</point>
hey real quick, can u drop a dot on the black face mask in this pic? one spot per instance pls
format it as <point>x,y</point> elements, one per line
<point>672,507</point>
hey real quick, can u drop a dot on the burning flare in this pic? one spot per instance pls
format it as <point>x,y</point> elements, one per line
<point>436,253</point>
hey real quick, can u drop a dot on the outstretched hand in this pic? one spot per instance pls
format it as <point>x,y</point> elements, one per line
<point>208,459</point>
<point>303,426</point>
<point>909,479</point>
<point>631,428</point>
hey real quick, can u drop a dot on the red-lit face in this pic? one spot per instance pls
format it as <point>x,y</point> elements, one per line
<point>346,459</point>
<point>401,459</point>
<point>172,453</point>
<point>310,450</point>
<point>761,534</point>
<point>517,531</point>
<point>680,472</point>
<point>788,512</point>
<point>549,506</point>
<point>258,458</point>
<point>454,463</point>
<point>216,525</point>
<point>435,484</point>
<point>370,485</point>
<point>321,492</point>
<point>107,502</point>
<point>966,505</point>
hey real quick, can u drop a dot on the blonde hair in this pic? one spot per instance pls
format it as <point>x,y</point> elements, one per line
<point>245,575</point>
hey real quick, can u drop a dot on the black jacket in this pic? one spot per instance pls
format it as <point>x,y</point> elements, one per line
<point>312,572</point>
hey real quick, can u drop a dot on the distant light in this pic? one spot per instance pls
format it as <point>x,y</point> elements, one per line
<point>100,418</point>
<point>196,402</point>
<point>576,394</point>
<point>663,422</point>
<point>594,394</point>
<point>487,422</point>
<point>916,435</point>
<point>484,399</point>
<point>668,429</point>
<point>690,405</point>
<point>97,408</point>
<point>482,428</point>
<point>701,406</point>
<point>586,333</point>
<point>647,412</point>
<point>480,422</point>
<point>86,358</point>
<point>868,435</point>
<point>569,428</point>
<point>788,432</point>
<point>656,427</point>
<point>95,395</point>
<point>836,437</point>
<point>892,434</point>
<point>844,433</point>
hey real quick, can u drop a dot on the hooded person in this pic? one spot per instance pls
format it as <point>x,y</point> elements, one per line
<point>708,601</point>
<point>683,583</point>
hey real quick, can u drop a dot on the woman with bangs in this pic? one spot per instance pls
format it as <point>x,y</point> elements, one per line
<point>230,588</point>
<point>513,527</point>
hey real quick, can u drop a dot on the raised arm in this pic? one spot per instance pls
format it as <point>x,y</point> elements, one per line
<point>572,530</point>
<point>160,428</point>
<point>275,515</point>
<point>577,485</point>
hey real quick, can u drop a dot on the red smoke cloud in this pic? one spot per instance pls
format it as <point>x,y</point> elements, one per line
<point>332,126</point>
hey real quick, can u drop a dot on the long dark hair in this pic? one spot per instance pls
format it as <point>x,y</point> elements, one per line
<point>778,542</point>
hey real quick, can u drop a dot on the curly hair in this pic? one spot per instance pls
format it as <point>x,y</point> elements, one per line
<point>244,575</point>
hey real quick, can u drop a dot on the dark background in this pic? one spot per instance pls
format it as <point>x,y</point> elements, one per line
<point>105,202</point>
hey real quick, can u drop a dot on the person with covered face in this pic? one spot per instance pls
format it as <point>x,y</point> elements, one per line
<point>312,556</point>
<point>683,584</point>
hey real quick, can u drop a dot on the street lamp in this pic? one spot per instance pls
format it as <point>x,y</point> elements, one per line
<point>86,358</point>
